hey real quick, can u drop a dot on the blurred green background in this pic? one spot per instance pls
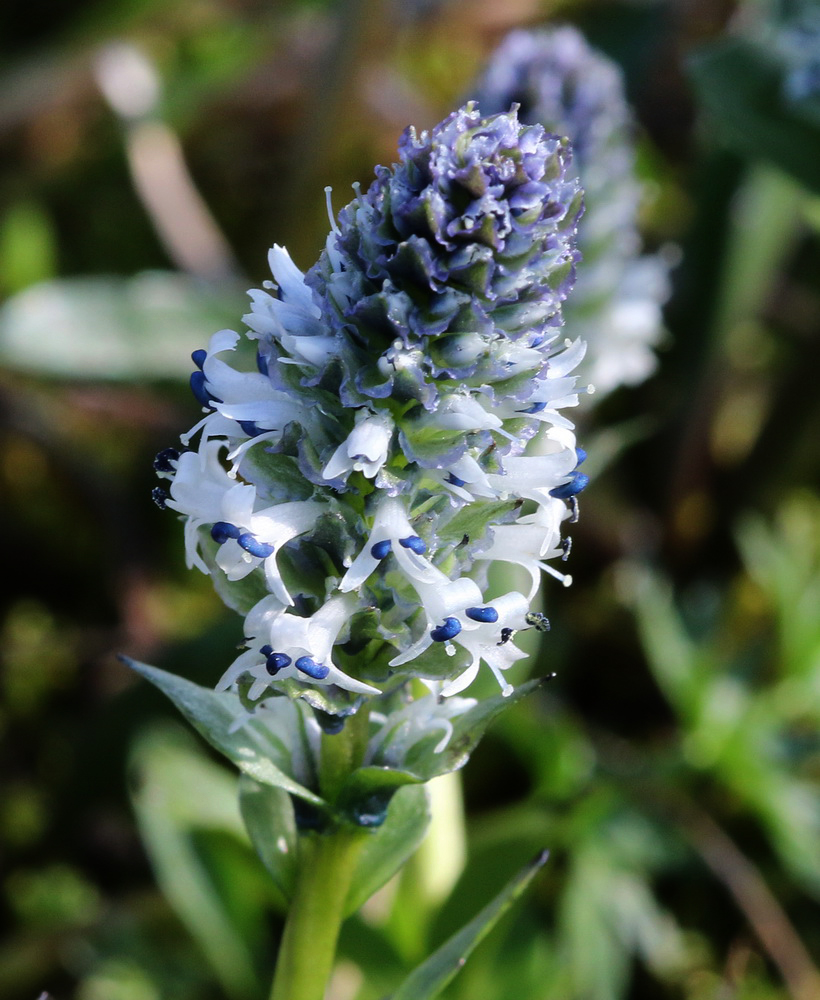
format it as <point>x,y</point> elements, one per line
<point>673,768</point>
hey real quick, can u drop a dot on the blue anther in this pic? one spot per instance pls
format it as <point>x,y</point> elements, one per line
<point>199,387</point>
<point>249,427</point>
<point>449,630</point>
<point>578,483</point>
<point>266,650</point>
<point>414,543</point>
<point>159,496</point>
<point>380,549</point>
<point>164,460</point>
<point>198,358</point>
<point>482,614</point>
<point>581,456</point>
<point>261,363</point>
<point>318,671</point>
<point>278,661</point>
<point>538,340</point>
<point>535,408</point>
<point>256,548</point>
<point>454,480</point>
<point>223,530</point>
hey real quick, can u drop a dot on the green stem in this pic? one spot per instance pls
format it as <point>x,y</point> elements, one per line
<point>327,862</point>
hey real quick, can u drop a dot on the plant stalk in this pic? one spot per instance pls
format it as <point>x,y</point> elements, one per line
<point>327,862</point>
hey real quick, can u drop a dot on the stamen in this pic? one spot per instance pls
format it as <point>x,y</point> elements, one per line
<point>164,460</point>
<point>538,621</point>
<point>482,614</point>
<point>159,496</point>
<point>414,543</point>
<point>566,548</point>
<point>318,671</point>
<point>448,630</point>
<point>380,549</point>
<point>564,578</point>
<point>221,531</point>
<point>453,480</point>
<point>261,363</point>
<point>278,661</point>
<point>254,547</point>
<point>198,358</point>
<point>329,202</point>
<point>199,387</point>
<point>535,408</point>
<point>579,482</point>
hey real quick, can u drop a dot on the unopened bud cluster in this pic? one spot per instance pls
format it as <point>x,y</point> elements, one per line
<point>562,83</point>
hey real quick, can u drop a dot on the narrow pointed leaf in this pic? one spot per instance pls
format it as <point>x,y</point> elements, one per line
<point>253,748</point>
<point>268,815</point>
<point>433,975</point>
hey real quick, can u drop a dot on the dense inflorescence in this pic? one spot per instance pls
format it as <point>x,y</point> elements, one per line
<point>348,495</point>
<point>558,80</point>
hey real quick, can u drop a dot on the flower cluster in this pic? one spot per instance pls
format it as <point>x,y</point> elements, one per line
<point>560,82</point>
<point>348,494</point>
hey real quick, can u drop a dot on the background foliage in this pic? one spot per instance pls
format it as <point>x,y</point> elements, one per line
<point>672,767</point>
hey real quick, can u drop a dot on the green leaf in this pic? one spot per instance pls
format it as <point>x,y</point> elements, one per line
<point>179,796</point>
<point>389,847</point>
<point>112,328</point>
<point>433,975</point>
<point>269,820</point>
<point>740,82</point>
<point>254,748</point>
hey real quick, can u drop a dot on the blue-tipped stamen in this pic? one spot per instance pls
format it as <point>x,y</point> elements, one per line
<point>380,549</point>
<point>199,387</point>
<point>535,408</point>
<point>165,459</point>
<point>318,671</point>
<point>414,543</point>
<point>453,480</point>
<point>266,650</point>
<point>198,357</point>
<point>482,614</point>
<point>446,631</point>
<point>252,545</point>
<point>221,531</point>
<point>159,496</point>
<point>278,661</point>
<point>578,483</point>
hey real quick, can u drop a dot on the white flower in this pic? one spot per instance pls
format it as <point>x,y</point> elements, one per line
<point>456,613</point>
<point>249,539</point>
<point>365,449</point>
<point>293,647</point>
<point>293,319</point>
<point>529,541</point>
<point>399,731</point>
<point>392,532</point>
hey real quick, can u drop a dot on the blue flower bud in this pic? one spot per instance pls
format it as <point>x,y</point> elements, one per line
<point>223,530</point>
<point>309,666</point>
<point>448,630</point>
<point>482,614</point>
<point>253,546</point>
<point>278,661</point>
